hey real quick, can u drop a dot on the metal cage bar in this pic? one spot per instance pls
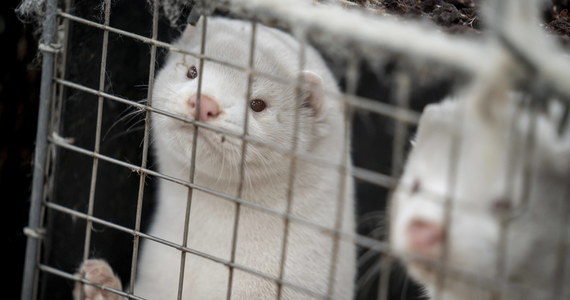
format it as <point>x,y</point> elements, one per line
<point>345,159</point>
<point>145,147</point>
<point>402,96</point>
<point>95,165</point>
<point>193,157</point>
<point>358,102</point>
<point>33,230</point>
<point>292,165</point>
<point>244,144</point>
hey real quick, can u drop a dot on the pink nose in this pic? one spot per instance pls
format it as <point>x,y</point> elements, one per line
<point>209,108</point>
<point>424,237</point>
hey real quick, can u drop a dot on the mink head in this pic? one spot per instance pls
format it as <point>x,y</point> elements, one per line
<point>477,195</point>
<point>273,101</point>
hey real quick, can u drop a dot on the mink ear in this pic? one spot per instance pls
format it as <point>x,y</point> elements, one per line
<point>312,92</point>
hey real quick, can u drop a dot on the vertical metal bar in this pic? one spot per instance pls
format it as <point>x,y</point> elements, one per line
<point>56,108</point>
<point>513,152</point>
<point>526,154</point>
<point>563,253</point>
<point>193,157</point>
<point>152,65</point>
<point>453,168</point>
<point>49,36</point>
<point>352,84</point>
<point>501,257</point>
<point>96,149</point>
<point>60,67</point>
<point>401,130</point>
<point>243,155</point>
<point>292,167</point>
<point>398,148</point>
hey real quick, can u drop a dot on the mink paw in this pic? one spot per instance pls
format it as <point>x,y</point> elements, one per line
<point>97,272</point>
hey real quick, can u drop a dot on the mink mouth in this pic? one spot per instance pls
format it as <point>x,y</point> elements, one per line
<point>222,144</point>
<point>218,142</point>
<point>208,138</point>
<point>216,139</point>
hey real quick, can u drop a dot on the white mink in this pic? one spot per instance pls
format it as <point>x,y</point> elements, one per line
<point>489,185</point>
<point>321,133</point>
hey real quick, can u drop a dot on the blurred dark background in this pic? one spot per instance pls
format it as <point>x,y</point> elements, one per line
<point>19,87</point>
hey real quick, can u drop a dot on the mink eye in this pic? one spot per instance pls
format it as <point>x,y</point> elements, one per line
<point>502,206</point>
<point>416,187</point>
<point>192,72</point>
<point>257,105</point>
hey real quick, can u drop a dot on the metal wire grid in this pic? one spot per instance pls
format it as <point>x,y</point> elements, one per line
<point>400,113</point>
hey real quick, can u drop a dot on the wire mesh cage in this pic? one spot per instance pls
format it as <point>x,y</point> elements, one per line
<point>288,197</point>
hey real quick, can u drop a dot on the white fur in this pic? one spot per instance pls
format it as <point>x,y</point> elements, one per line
<point>260,234</point>
<point>489,142</point>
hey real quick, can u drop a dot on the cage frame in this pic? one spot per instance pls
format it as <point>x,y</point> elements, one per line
<point>427,45</point>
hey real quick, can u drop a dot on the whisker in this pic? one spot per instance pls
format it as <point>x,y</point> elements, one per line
<point>137,122</point>
<point>365,280</point>
<point>126,132</point>
<point>378,233</point>
<point>379,216</point>
<point>367,256</point>
<point>134,112</point>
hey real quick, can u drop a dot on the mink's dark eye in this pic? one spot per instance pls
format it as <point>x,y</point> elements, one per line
<point>416,187</point>
<point>192,72</point>
<point>257,105</point>
<point>502,206</point>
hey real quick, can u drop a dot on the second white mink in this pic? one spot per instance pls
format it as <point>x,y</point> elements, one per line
<point>272,106</point>
<point>492,176</point>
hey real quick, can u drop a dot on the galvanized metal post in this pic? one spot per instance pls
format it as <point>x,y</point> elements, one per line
<point>49,38</point>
